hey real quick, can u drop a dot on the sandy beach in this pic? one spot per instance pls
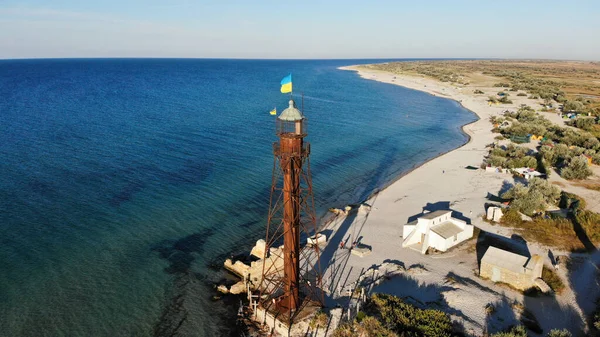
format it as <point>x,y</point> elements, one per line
<point>448,281</point>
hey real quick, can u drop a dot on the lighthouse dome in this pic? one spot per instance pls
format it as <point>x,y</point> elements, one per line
<point>291,113</point>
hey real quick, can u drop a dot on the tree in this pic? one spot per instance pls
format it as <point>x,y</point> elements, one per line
<point>585,123</point>
<point>534,197</point>
<point>548,153</point>
<point>573,106</point>
<point>577,169</point>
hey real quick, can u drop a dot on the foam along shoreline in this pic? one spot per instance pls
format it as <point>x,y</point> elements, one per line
<point>440,183</point>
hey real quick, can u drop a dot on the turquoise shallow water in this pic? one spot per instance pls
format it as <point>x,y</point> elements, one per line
<point>125,182</point>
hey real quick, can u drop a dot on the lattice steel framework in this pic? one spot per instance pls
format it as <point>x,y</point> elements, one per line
<point>286,288</point>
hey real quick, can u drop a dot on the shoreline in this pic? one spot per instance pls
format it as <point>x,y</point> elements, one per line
<point>363,74</point>
<point>442,182</point>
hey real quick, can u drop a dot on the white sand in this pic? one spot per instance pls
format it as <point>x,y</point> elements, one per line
<point>444,179</point>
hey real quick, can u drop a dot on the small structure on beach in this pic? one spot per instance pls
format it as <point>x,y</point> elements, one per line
<point>494,213</point>
<point>438,230</point>
<point>528,173</point>
<point>516,270</point>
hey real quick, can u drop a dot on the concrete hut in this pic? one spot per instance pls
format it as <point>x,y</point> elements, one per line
<point>438,230</point>
<point>516,270</point>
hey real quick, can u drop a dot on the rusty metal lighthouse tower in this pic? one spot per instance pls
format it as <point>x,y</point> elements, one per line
<point>291,274</point>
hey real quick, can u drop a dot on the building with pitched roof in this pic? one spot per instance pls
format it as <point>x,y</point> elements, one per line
<point>517,270</point>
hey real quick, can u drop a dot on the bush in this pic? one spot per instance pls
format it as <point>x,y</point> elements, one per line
<point>320,319</point>
<point>521,94</point>
<point>596,319</point>
<point>511,217</point>
<point>479,92</point>
<point>573,106</point>
<point>536,196</point>
<point>517,331</point>
<point>408,320</point>
<point>585,123</point>
<point>567,200</point>
<point>590,222</point>
<point>577,169</point>
<point>553,280</point>
<point>559,333</point>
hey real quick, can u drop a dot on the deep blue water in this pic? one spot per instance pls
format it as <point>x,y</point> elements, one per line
<point>124,181</point>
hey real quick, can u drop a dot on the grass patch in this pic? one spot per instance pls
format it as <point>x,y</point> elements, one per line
<point>557,233</point>
<point>590,185</point>
<point>553,280</point>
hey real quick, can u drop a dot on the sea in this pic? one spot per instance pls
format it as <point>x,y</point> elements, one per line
<point>125,183</point>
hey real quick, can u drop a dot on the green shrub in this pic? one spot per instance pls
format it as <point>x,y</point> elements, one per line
<point>372,327</point>
<point>521,94</point>
<point>567,200</point>
<point>585,123</point>
<point>577,169</point>
<point>596,319</point>
<point>553,280</point>
<point>559,333</point>
<point>478,92</point>
<point>320,319</point>
<point>573,106</point>
<point>408,320</point>
<point>536,196</point>
<point>517,331</point>
<point>590,222</point>
<point>511,217</point>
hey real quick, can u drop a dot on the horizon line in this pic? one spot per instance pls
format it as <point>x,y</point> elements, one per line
<point>290,59</point>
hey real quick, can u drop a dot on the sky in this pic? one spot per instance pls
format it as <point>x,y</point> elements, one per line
<point>300,29</point>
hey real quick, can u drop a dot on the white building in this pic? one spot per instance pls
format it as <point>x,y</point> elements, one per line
<point>438,230</point>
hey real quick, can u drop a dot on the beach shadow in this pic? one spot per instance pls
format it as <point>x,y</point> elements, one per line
<point>500,316</point>
<point>333,245</point>
<point>418,294</point>
<point>452,278</point>
<point>582,234</point>
<point>487,239</point>
<point>396,262</point>
<point>583,275</point>
<point>506,185</point>
<point>439,206</point>
<point>536,315</point>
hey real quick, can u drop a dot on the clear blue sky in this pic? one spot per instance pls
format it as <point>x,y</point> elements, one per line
<point>300,29</point>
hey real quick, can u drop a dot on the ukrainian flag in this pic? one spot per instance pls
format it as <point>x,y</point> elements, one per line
<point>273,112</point>
<point>286,84</point>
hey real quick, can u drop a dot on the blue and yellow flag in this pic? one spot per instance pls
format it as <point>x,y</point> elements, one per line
<point>273,112</point>
<point>286,84</point>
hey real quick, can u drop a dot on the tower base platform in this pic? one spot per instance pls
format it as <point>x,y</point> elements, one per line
<point>278,320</point>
